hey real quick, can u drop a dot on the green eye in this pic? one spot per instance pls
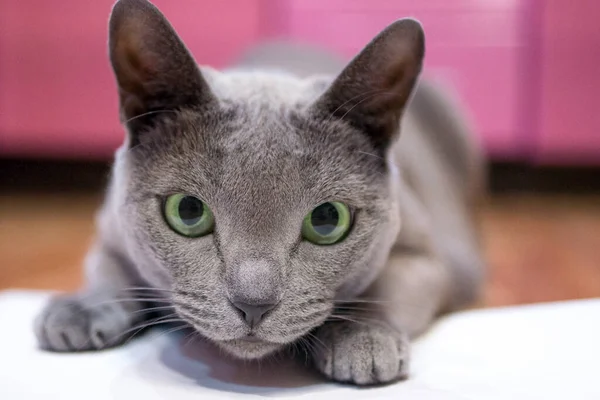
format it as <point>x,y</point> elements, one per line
<point>188,215</point>
<point>327,224</point>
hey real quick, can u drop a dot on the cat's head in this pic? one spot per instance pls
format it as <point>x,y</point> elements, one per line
<point>260,198</point>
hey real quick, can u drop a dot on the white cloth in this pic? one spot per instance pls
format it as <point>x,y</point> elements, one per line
<point>547,351</point>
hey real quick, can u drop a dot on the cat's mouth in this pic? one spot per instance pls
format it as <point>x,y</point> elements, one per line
<point>249,347</point>
<point>251,338</point>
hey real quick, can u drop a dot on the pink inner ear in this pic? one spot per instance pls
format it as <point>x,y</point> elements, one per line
<point>135,64</point>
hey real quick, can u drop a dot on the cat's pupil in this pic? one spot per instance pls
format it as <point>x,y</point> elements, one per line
<point>324,219</point>
<point>190,210</point>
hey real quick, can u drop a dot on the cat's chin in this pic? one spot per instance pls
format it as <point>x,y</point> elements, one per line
<point>249,349</point>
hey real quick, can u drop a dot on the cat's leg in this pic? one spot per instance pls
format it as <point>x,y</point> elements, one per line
<point>98,316</point>
<point>368,343</point>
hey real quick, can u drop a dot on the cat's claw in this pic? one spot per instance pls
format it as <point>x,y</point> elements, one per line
<point>361,354</point>
<point>70,323</point>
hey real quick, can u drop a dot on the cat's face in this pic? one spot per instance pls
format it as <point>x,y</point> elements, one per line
<point>261,153</point>
<point>260,177</point>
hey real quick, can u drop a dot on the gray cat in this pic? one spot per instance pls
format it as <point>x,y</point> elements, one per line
<point>267,209</point>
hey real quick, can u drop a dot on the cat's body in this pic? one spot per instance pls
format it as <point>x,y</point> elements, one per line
<point>263,149</point>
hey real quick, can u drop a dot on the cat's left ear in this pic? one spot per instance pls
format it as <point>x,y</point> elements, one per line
<point>153,68</point>
<point>373,90</point>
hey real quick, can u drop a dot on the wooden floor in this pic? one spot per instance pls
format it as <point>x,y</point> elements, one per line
<point>539,248</point>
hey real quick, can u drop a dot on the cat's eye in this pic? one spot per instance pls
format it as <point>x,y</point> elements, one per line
<point>188,215</point>
<point>328,223</point>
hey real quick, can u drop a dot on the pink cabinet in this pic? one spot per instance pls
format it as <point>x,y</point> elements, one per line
<point>475,45</point>
<point>527,69</point>
<point>569,130</point>
<point>57,92</point>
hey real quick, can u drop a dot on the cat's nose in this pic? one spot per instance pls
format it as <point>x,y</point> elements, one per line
<point>254,288</point>
<point>253,313</point>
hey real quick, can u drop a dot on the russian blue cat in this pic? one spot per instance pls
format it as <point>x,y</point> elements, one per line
<point>271,206</point>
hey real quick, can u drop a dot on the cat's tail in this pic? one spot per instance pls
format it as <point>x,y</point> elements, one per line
<point>451,133</point>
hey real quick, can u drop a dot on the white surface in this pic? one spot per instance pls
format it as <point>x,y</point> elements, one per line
<point>537,352</point>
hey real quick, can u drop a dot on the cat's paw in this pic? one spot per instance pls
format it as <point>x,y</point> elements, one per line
<point>363,355</point>
<point>71,323</point>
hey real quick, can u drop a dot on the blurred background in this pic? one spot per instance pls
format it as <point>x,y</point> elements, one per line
<point>527,71</point>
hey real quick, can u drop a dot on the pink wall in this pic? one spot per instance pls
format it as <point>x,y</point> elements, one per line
<point>475,45</point>
<point>569,130</point>
<point>58,96</point>
<point>526,69</point>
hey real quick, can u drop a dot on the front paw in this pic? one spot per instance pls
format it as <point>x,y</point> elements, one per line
<point>360,354</point>
<point>72,323</point>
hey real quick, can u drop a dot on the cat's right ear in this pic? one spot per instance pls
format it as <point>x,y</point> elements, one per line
<point>153,68</point>
<point>372,92</point>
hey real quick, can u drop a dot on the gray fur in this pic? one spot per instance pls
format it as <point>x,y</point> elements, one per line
<point>262,149</point>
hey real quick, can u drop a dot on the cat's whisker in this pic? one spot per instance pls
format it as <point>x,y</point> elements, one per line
<point>397,302</point>
<point>173,330</point>
<point>370,154</point>
<point>147,114</point>
<point>366,311</point>
<point>363,100</point>
<point>304,348</point>
<point>333,318</point>
<point>408,308</point>
<point>375,301</point>
<point>316,338</point>
<point>129,300</point>
<point>190,338</point>
<point>139,328</point>
<point>149,309</point>
<point>132,336</point>
<point>294,349</point>
<point>355,308</point>
<point>104,303</point>
<point>362,321</point>
<point>193,319</point>
<point>369,93</point>
<point>275,357</point>
<point>308,347</point>
<point>140,299</point>
<point>150,289</point>
<point>124,293</point>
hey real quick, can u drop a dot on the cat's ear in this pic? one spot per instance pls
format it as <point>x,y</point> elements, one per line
<point>153,68</point>
<point>373,90</point>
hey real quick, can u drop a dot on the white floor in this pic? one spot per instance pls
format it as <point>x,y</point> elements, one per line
<point>544,352</point>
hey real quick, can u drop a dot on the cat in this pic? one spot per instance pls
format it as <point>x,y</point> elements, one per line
<point>265,208</point>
